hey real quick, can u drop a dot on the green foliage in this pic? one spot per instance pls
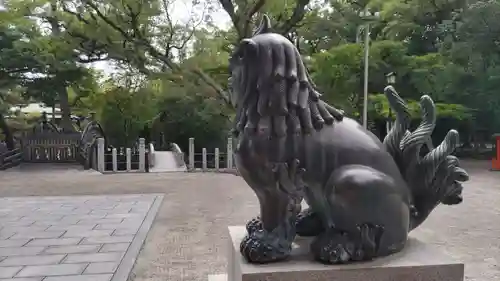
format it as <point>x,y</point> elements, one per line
<point>421,23</point>
<point>38,58</point>
<point>176,71</point>
<point>474,68</point>
<point>193,116</point>
<point>427,77</point>
<point>124,113</point>
<point>379,109</point>
<point>339,72</point>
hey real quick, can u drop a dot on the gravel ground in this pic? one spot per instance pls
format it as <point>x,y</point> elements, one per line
<point>187,241</point>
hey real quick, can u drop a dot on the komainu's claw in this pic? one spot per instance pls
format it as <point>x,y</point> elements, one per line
<point>261,247</point>
<point>333,247</point>
<point>309,224</point>
<point>370,238</point>
<point>254,225</point>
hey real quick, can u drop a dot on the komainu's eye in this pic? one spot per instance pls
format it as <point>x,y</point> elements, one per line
<point>238,54</point>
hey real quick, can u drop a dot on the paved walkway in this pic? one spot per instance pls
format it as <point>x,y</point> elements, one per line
<point>188,239</point>
<point>80,238</point>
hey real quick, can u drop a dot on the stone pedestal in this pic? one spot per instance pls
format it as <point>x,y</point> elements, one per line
<point>417,262</point>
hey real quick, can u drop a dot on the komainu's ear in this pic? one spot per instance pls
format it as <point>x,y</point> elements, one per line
<point>265,26</point>
<point>248,47</point>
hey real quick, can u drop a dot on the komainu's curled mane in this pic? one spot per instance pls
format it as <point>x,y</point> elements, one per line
<point>275,84</point>
<point>437,176</point>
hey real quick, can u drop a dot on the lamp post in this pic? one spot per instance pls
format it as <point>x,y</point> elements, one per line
<point>368,17</point>
<point>391,80</point>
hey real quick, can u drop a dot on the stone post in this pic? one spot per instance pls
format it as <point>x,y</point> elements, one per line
<point>204,159</point>
<point>100,155</point>
<point>142,155</point>
<point>217,156</point>
<point>191,154</point>
<point>115,160</point>
<point>229,153</point>
<point>128,152</point>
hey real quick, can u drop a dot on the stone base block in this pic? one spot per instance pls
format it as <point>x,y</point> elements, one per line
<point>417,262</point>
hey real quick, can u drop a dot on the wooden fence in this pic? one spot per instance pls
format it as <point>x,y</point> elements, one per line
<point>216,161</point>
<point>49,147</point>
<point>114,160</point>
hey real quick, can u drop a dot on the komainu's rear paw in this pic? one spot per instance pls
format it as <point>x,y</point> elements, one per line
<point>333,247</point>
<point>309,224</point>
<point>254,225</point>
<point>263,247</point>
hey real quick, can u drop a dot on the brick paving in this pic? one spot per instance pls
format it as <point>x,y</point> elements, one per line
<point>71,238</point>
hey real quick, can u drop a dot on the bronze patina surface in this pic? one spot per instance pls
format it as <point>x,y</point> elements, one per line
<point>365,195</point>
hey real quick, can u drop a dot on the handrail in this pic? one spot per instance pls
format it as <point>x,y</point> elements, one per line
<point>93,125</point>
<point>178,155</point>
<point>10,158</point>
<point>176,148</point>
<point>151,155</point>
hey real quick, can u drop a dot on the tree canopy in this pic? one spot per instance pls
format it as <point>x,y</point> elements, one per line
<point>167,66</point>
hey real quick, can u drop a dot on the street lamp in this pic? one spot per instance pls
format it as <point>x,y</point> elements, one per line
<point>391,80</point>
<point>368,17</point>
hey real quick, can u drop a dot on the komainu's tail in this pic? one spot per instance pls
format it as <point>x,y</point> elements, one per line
<point>434,178</point>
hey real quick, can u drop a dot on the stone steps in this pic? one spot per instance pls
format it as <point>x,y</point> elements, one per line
<point>164,161</point>
<point>217,277</point>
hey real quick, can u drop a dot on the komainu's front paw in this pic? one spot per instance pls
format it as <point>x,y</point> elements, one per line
<point>262,247</point>
<point>309,224</point>
<point>254,225</point>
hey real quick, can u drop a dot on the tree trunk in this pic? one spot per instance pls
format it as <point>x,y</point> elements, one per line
<point>9,137</point>
<point>66,123</point>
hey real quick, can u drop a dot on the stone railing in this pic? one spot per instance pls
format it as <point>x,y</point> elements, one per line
<point>114,160</point>
<point>216,161</point>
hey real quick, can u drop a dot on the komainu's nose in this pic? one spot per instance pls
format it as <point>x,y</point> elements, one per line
<point>452,199</point>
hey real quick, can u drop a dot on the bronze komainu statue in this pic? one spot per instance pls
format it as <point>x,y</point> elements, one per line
<point>364,195</point>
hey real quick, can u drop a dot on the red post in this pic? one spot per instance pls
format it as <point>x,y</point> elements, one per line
<point>495,162</point>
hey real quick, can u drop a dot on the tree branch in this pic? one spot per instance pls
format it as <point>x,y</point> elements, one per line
<point>108,21</point>
<point>246,26</point>
<point>298,14</point>
<point>78,16</point>
<point>228,6</point>
<point>139,40</point>
<point>209,81</point>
